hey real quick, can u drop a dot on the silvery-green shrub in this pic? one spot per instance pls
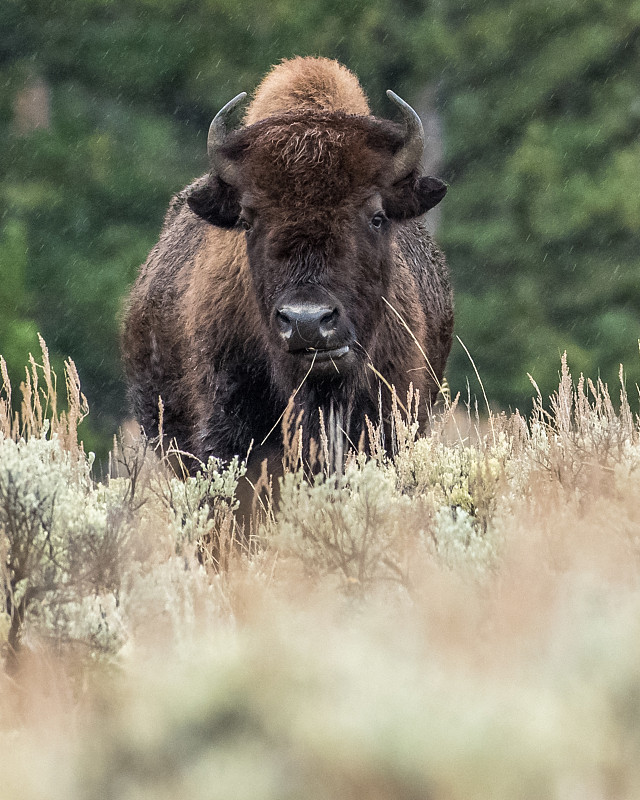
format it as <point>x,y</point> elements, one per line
<point>61,544</point>
<point>349,523</point>
<point>197,502</point>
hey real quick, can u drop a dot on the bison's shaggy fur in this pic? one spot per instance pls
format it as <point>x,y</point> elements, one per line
<point>313,217</point>
<point>307,84</point>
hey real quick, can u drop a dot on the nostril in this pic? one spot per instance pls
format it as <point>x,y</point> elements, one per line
<point>284,323</point>
<point>329,323</point>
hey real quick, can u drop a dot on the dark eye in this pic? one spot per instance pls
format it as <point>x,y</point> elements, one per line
<point>245,224</point>
<point>378,220</point>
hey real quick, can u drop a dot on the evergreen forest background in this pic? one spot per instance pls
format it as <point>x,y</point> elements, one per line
<point>105,106</point>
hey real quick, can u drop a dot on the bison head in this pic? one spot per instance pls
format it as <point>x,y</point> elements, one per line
<point>317,194</point>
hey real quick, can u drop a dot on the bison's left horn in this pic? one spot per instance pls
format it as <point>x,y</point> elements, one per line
<point>220,165</point>
<point>408,157</point>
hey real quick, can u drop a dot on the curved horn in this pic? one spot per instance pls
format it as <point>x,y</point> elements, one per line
<point>220,165</point>
<point>409,155</point>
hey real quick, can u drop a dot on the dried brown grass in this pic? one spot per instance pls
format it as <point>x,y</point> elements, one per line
<point>38,412</point>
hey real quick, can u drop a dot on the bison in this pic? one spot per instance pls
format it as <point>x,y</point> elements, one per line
<point>298,265</point>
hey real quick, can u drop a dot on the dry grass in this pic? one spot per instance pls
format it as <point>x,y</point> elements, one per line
<point>459,621</point>
<point>39,405</point>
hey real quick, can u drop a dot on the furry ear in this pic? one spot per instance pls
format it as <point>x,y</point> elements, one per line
<point>215,201</point>
<point>413,196</point>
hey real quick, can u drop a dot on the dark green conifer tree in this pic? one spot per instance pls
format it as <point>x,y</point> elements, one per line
<point>542,120</point>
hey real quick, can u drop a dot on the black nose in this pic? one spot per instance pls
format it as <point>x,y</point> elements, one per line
<point>307,325</point>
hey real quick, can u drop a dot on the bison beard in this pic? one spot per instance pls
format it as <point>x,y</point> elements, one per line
<point>277,272</point>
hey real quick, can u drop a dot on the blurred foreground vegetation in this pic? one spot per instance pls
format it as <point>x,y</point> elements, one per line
<point>460,620</point>
<point>104,108</point>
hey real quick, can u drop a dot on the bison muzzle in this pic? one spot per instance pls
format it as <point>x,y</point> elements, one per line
<point>297,266</point>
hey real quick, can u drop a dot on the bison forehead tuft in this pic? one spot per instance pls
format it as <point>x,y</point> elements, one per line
<point>313,159</point>
<point>304,146</point>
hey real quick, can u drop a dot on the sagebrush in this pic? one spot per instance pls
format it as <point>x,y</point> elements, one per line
<point>456,617</point>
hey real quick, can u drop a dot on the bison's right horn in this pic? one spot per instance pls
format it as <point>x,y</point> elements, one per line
<point>221,166</point>
<point>409,155</point>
